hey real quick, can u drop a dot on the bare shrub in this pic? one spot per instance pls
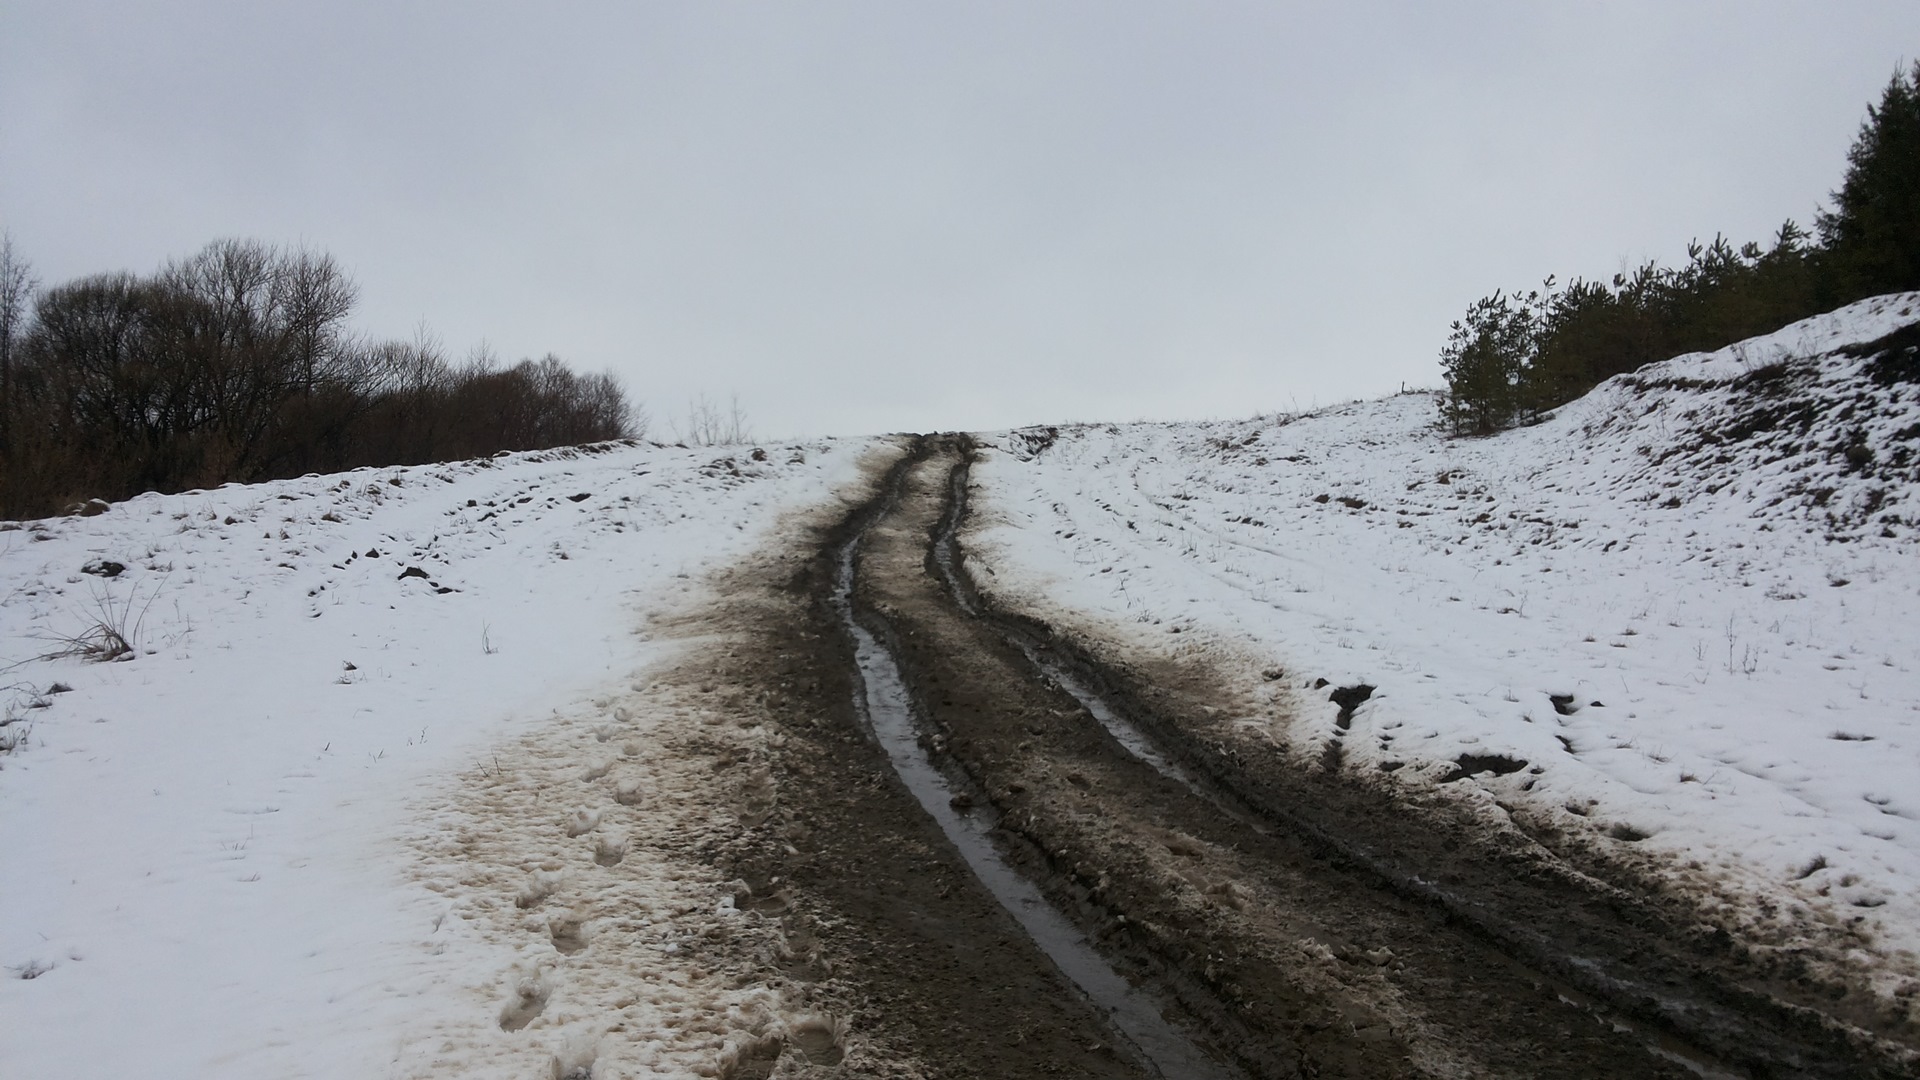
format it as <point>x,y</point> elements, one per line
<point>111,629</point>
<point>707,425</point>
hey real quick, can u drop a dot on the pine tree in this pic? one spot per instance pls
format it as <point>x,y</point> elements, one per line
<point>1872,234</point>
<point>1485,361</point>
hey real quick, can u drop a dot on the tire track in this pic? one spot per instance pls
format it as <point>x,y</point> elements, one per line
<point>1591,944</point>
<point>1317,931</point>
<point>888,709</point>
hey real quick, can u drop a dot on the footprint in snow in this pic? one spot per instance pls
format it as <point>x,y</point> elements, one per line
<point>582,822</point>
<point>568,932</point>
<point>540,885</point>
<point>529,1000</point>
<point>609,849</point>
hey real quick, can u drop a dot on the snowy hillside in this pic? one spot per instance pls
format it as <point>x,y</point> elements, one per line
<point>283,833</point>
<point>419,771</point>
<point>1677,618</point>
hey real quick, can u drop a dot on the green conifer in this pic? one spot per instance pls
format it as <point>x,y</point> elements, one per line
<point>1872,234</point>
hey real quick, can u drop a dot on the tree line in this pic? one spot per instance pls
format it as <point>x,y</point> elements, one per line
<point>239,363</point>
<point>1514,356</point>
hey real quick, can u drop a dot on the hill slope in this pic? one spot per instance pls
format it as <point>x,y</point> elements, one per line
<point>1670,628</point>
<point>387,749</point>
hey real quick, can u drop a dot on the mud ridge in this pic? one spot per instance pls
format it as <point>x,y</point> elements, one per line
<point>1179,974</point>
<point>896,719</point>
<point>1290,963</point>
<point>1602,941</point>
<point>882,928</point>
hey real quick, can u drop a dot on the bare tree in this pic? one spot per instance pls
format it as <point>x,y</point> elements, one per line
<point>16,288</point>
<point>607,409</point>
<point>707,425</point>
<point>315,297</point>
<point>236,363</point>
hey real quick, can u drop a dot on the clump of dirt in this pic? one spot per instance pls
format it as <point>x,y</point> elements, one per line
<point>1475,764</point>
<point>1349,698</point>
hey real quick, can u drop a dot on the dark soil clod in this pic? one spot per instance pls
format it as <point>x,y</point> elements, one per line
<point>1474,764</point>
<point>1349,699</point>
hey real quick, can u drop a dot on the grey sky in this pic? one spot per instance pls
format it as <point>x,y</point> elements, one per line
<point>898,215</point>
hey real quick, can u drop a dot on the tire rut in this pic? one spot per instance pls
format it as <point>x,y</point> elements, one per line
<point>1282,961</point>
<point>1289,923</point>
<point>881,925</point>
<point>1473,933</point>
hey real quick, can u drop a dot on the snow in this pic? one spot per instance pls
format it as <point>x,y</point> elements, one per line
<point>248,848</point>
<point>386,784</point>
<point>1697,558</point>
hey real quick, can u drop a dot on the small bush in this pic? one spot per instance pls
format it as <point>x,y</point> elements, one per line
<point>111,630</point>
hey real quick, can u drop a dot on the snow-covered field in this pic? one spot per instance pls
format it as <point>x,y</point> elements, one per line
<point>285,834</point>
<point>386,779</point>
<point>1711,563</point>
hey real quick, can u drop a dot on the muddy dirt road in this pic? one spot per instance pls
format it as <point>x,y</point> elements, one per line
<point>992,855</point>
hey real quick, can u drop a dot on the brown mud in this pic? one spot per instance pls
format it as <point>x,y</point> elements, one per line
<point>1634,959</point>
<point>882,924</point>
<point>1293,924</point>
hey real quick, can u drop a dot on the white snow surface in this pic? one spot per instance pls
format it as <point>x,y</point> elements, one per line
<point>1728,600</point>
<point>246,849</point>
<point>217,855</point>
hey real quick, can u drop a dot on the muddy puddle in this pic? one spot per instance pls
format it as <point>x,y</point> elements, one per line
<point>886,705</point>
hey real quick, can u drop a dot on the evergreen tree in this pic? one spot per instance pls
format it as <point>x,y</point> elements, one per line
<point>1485,361</point>
<point>1514,358</point>
<point>1872,234</point>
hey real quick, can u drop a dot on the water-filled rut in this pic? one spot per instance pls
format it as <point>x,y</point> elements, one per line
<point>1050,664</point>
<point>886,705</point>
<point>1028,857</point>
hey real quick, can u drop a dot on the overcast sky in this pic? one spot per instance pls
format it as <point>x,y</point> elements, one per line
<point>896,215</point>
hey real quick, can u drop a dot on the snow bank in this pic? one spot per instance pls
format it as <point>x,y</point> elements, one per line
<point>219,850</point>
<point>1680,611</point>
